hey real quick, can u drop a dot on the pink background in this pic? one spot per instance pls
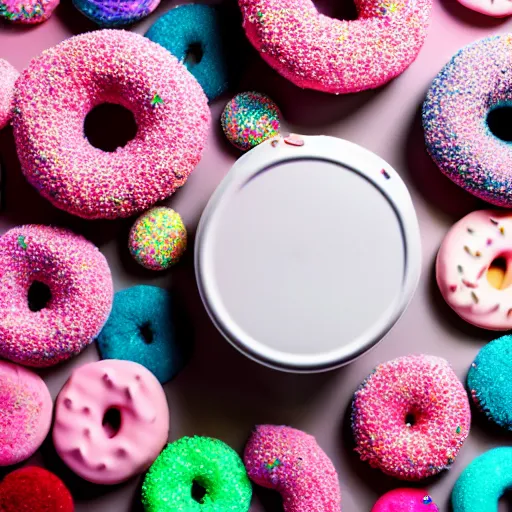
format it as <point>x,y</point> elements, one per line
<point>221,393</point>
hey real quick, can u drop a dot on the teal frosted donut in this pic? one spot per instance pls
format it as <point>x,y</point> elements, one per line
<point>207,463</point>
<point>489,381</point>
<point>483,482</point>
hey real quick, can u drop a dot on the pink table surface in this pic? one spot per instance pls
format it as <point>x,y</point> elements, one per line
<point>221,393</point>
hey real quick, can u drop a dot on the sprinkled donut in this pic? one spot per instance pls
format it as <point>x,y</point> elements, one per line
<point>116,13</point>
<point>111,421</point>
<point>27,11</point>
<point>489,383</point>
<point>25,413</point>
<point>483,482</point>
<point>474,83</point>
<point>291,462</point>
<point>405,500</point>
<point>410,417</point>
<point>73,294</point>
<point>317,52</point>
<point>58,89</point>
<point>8,76</point>
<point>473,271</point>
<point>495,8</point>
<point>203,461</point>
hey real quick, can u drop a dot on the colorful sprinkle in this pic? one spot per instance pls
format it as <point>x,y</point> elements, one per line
<point>27,11</point>
<point>116,13</point>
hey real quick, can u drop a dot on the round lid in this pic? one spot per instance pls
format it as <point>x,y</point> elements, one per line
<point>308,252</point>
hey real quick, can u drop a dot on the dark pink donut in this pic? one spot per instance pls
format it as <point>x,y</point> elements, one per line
<point>60,87</point>
<point>79,280</point>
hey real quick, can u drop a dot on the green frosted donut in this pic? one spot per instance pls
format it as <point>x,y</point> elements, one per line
<point>204,461</point>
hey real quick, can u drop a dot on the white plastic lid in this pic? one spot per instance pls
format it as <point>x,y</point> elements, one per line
<point>307,255</point>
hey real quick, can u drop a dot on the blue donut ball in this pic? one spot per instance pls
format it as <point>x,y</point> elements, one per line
<point>141,328</point>
<point>489,381</point>
<point>483,482</point>
<point>198,30</point>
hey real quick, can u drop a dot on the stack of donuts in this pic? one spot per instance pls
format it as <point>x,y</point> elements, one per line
<point>110,421</point>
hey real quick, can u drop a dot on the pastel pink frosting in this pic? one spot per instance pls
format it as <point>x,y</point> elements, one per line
<point>464,257</point>
<point>495,8</point>
<point>28,11</point>
<point>8,76</point>
<point>25,413</point>
<point>337,56</point>
<point>94,452</point>
<point>405,500</point>
<point>292,463</point>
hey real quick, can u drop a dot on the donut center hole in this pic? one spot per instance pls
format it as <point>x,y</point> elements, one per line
<point>146,333</point>
<point>505,502</point>
<point>198,491</point>
<point>410,419</point>
<point>497,273</point>
<point>193,55</point>
<point>109,126</point>
<point>111,422</point>
<point>39,295</point>
<point>345,10</point>
<point>499,121</point>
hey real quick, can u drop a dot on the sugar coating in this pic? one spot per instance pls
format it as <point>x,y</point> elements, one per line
<point>158,238</point>
<point>475,81</point>
<point>25,413</point>
<point>58,89</point>
<point>116,13</point>
<point>8,77</point>
<point>210,463</point>
<point>80,283</point>
<point>410,417</point>
<point>292,463</point>
<point>489,381</point>
<point>405,500</point>
<point>249,119</point>
<point>337,56</point>
<point>483,482</point>
<point>27,11</point>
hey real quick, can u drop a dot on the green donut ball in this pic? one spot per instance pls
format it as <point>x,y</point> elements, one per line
<point>208,462</point>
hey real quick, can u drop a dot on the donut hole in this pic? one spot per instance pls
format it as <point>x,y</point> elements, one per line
<point>193,55</point>
<point>411,419</point>
<point>198,491</point>
<point>497,273</point>
<point>111,422</point>
<point>109,126</point>
<point>345,10</point>
<point>499,121</point>
<point>505,502</point>
<point>146,333</point>
<point>38,296</point>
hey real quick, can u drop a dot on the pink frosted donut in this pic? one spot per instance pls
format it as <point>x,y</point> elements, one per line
<point>475,248</point>
<point>405,500</point>
<point>25,413</point>
<point>410,417</point>
<point>317,52</point>
<point>291,462</point>
<point>55,294</point>
<point>495,8</point>
<point>8,76</point>
<point>59,88</point>
<point>111,421</point>
<point>27,11</point>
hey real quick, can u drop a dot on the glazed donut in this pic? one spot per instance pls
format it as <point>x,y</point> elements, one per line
<point>75,283</point>
<point>473,271</point>
<point>410,417</point>
<point>405,500</point>
<point>27,11</point>
<point>8,76</point>
<point>317,52</point>
<point>26,413</point>
<point>291,462</point>
<point>116,13</point>
<point>208,463</point>
<point>58,89</point>
<point>111,421</point>
<point>458,138</point>
<point>488,381</point>
<point>483,482</point>
<point>496,8</point>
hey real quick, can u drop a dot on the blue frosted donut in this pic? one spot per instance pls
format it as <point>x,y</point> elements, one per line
<point>141,328</point>
<point>489,381</point>
<point>197,30</point>
<point>115,13</point>
<point>483,482</point>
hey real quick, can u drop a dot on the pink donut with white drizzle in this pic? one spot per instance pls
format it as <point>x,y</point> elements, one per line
<point>495,8</point>
<point>8,76</point>
<point>338,56</point>
<point>60,87</point>
<point>291,462</point>
<point>410,417</point>
<point>405,500</point>
<point>111,421</point>
<point>474,269</point>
